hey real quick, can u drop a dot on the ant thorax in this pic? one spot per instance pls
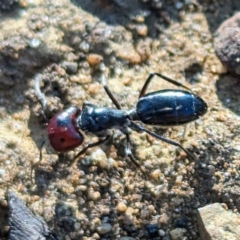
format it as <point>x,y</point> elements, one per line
<point>96,120</point>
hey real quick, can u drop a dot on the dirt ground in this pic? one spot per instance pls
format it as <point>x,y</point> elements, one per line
<point>65,41</point>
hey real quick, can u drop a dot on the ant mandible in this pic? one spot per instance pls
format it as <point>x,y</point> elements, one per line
<point>168,107</point>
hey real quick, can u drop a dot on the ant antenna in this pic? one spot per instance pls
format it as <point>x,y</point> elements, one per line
<point>40,158</point>
<point>40,95</point>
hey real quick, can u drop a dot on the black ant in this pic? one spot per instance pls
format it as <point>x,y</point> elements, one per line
<point>169,107</point>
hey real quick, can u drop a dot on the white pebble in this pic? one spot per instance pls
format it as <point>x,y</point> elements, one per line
<point>178,5</point>
<point>77,225</point>
<point>177,233</point>
<point>100,158</point>
<point>177,201</point>
<point>2,172</point>
<point>104,228</point>
<point>161,233</point>
<point>127,238</point>
<point>34,43</point>
<point>67,238</point>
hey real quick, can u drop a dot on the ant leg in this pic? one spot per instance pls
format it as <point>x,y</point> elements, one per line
<point>40,158</point>
<point>184,133</point>
<point>109,93</point>
<point>91,145</point>
<point>40,95</point>
<point>151,76</point>
<point>130,155</point>
<point>137,127</point>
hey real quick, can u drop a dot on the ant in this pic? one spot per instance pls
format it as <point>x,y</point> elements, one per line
<point>169,107</point>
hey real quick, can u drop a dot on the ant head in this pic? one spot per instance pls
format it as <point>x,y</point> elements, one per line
<point>62,131</point>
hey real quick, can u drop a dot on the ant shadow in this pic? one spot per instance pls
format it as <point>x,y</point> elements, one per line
<point>228,90</point>
<point>60,170</point>
<point>62,166</point>
<point>133,16</point>
<point>191,72</point>
<point>204,181</point>
<point>217,13</point>
<point>4,220</point>
<point>65,217</point>
<point>9,9</point>
<point>15,71</point>
<point>127,14</point>
<point>64,220</point>
<point>156,16</point>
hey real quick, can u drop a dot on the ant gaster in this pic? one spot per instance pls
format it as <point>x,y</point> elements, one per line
<point>169,107</point>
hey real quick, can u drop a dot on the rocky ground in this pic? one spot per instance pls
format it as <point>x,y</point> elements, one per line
<point>104,196</point>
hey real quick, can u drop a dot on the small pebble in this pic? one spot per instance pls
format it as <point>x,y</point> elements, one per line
<point>161,233</point>
<point>142,30</point>
<point>94,89</point>
<point>95,236</point>
<point>127,238</point>
<point>67,237</point>
<point>84,46</point>
<point>2,172</point>
<point>100,157</point>
<point>159,190</point>
<point>34,43</point>
<point>144,214</point>
<point>152,230</point>
<point>155,174</point>
<point>177,233</point>
<point>94,195</point>
<point>177,201</point>
<point>104,228</point>
<point>224,205</point>
<point>179,180</point>
<point>129,54</point>
<point>130,211</point>
<point>77,225</point>
<point>82,188</point>
<point>181,222</point>
<point>70,67</point>
<point>81,79</point>
<point>178,5</point>
<point>94,59</point>
<point>121,207</point>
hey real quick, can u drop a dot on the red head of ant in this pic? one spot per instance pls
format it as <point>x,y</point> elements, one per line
<point>63,133</point>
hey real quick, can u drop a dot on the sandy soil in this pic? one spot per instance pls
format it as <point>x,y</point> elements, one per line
<point>65,41</point>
